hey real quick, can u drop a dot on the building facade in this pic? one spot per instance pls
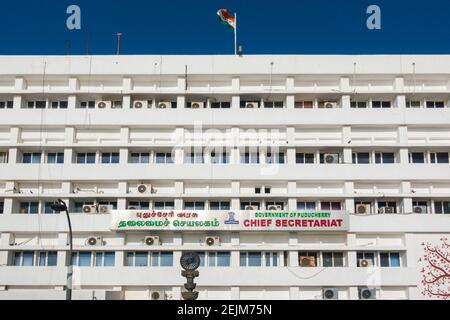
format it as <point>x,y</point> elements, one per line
<point>362,138</point>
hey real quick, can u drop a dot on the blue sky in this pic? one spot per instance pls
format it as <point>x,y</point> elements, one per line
<point>192,27</point>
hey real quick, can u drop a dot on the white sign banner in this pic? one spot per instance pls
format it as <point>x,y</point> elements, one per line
<point>186,220</point>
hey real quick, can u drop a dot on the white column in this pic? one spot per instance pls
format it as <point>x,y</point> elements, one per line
<point>235,88</point>
<point>290,98</point>
<point>119,260</point>
<point>5,241</point>
<point>349,202</point>
<point>407,201</point>
<point>235,191</point>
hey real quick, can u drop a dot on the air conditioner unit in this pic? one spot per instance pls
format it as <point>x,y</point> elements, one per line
<point>144,188</point>
<point>152,241</point>
<point>364,263</point>
<point>89,208</point>
<point>251,105</point>
<point>158,295</point>
<point>384,210</point>
<point>134,207</point>
<point>331,158</point>
<point>104,104</point>
<point>367,294</point>
<point>329,104</point>
<point>330,294</point>
<point>197,105</point>
<point>251,208</point>
<point>94,241</point>
<point>274,208</point>
<point>307,261</point>
<point>104,209</point>
<point>420,209</point>
<point>139,104</point>
<point>164,105</point>
<point>212,241</point>
<point>363,209</point>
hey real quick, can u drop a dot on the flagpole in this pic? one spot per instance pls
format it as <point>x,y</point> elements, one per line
<point>235,34</point>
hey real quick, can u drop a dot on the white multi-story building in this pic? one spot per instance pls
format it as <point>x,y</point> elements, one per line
<point>266,140</point>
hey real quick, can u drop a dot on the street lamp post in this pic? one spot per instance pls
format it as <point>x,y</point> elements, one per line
<point>59,206</point>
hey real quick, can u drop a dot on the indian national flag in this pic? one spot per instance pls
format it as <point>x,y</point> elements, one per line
<point>226,18</point>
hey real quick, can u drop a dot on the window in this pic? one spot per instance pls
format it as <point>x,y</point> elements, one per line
<point>333,259</point>
<point>247,103</point>
<point>250,158</point>
<point>219,205</point>
<point>110,157</point>
<point>2,206</point>
<point>333,206</point>
<point>247,205</point>
<point>308,259</point>
<point>271,205</point>
<point>271,259</point>
<point>138,205</point>
<point>117,104</point>
<point>412,104</point>
<point>306,206</point>
<point>381,104</point>
<point>220,157</point>
<point>140,157</point>
<point>214,259</point>
<point>6,104</point>
<point>275,158</point>
<point>358,104</point>
<point>48,208</point>
<point>439,157</point>
<point>423,206</point>
<point>164,205</point>
<point>86,158</point>
<point>389,206</point>
<point>442,207</point>
<point>59,104</point>
<point>195,105</point>
<point>104,259</point>
<point>29,207</point>
<point>220,105</point>
<point>384,157</point>
<point>113,204</point>
<point>250,259</point>
<point>55,157</point>
<point>390,259</point>
<point>273,104</point>
<point>78,206</point>
<point>164,157</point>
<point>24,259</point>
<point>368,256</point>
<point>31,157</point>
<point>304,157</point>
<point>47,259</point>
<point>304,104</point>
<point>329,158</point>
<point>36,104</point>
<point>435,104</point>
<point>87,105</point>
<point>82,258</point>
<point>194,158</point>
<point>416,157</point>
<point>197,205</point>
<point>361,158</point>
<point>147,259</point>
<point>3,157</point>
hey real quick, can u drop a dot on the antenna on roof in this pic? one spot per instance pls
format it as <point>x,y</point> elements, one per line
<point>118,43</point>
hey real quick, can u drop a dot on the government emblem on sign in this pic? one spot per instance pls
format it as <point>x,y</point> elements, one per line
<point>231,218</point>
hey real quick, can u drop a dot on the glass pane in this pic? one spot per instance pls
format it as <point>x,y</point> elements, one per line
<point>155,259</point>
<point>214,205</point>
<point>52,259</point>
<point>99,259</point>
<point>134,158</point>
<point>84,259</point>
<point>267,259</point>
<point>395,259</point>
<point>301,206</point>
<point>243,259</point>
<point>90,158</point>
<point>225,206</point>
<point>166,259</point>
<point>42,259</point>
<point>274,259</point>
<point>51,158</point>
<point>28,259</point>
<point>130,259</point>
<point>34,208</point>
<point>325,206</point>
<point>17,257</point>
<point>106,157</point>
<point>81,158</point>
<point>310,206</point>
<point>115,157</point>
<point>384,259</point>
<point>363,158</point>
<point>109,259</point>
<point>211,259</point>
<point>202,258</point>
<point>189,206</point>
<point>141,259</point>
<point>26,158</point>
<point>338,259</point>
<point>223,259</point>
<point>442,157</point>
<point>309,158</point>
<point>145,158</point>
<point>254,259</point>
<point>327,259</point>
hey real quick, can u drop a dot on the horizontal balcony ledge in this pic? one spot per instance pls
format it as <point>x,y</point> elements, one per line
<point>258,172</point>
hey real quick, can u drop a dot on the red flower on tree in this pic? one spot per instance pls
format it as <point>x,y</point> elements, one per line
<point>436,270</point>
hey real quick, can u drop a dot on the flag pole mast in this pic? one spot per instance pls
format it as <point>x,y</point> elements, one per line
<point>235,34</point>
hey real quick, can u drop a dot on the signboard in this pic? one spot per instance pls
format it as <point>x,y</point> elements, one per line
<point>204,220</point>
